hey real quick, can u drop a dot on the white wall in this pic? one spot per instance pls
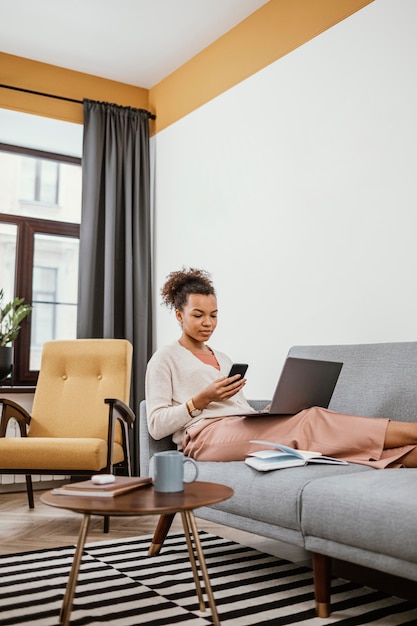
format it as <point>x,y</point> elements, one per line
<point>297,191</point>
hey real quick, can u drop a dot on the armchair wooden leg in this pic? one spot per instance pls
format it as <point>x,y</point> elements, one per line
<point>162,529</point>
<point>29,489</point>
<point>322,575</point>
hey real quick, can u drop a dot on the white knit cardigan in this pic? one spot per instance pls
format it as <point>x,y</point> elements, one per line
<point>173,376</point>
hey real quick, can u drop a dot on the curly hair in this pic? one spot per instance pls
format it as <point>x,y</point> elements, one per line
<point>179,285</point>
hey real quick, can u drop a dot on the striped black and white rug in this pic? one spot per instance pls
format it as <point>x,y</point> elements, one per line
<point>119,584</point>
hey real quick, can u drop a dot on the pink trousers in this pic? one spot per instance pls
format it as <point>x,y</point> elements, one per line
<point>350,437</point>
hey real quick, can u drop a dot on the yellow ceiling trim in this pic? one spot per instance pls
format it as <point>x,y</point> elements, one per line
<point>45,78</point>
<point>268,34</point>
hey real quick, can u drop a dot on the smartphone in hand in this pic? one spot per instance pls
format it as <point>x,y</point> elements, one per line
<point>238,368</point>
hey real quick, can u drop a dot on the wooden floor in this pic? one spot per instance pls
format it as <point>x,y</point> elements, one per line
<point>23,529</point>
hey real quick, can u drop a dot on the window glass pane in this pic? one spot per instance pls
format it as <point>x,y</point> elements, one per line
<point>9,182</point>
<point>48,182</point>
<point>8,237</point>
<point>55,291</point>
<point>44,289</point>
<point>69,200</point>
<point>27,182</point>
<point>40,188</point>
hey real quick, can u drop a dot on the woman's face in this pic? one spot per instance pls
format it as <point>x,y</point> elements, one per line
<point>198,317</point>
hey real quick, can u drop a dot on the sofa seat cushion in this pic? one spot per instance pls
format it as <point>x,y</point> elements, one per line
<point>270,497</point>
<point>46,453</point>
<point>372,513</point>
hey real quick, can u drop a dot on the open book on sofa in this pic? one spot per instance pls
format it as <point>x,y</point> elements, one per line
<point>283,456</point>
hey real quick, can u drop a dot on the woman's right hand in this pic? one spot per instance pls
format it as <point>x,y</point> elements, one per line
<point>219,391</point>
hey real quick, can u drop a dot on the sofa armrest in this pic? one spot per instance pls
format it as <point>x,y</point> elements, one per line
<point>148,446</point>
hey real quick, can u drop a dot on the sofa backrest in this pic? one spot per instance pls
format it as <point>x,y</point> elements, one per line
<point>377,380</point>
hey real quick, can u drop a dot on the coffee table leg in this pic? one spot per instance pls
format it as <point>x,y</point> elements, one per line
<point>160,534</point>
<point>187,533</point>
<point>192,528</point>
<point>65,614</point>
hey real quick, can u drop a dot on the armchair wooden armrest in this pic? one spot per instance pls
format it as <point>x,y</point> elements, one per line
<point>124,411</point>
<point>12,410</point>
<point>119,411</point>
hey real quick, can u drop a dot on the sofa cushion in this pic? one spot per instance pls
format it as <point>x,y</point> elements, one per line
<point>270,497</point>
<point>365,517</point>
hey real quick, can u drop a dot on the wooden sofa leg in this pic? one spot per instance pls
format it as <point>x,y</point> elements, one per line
<point>322,574</point>
<point>29,489</point>
<point>162,529</point>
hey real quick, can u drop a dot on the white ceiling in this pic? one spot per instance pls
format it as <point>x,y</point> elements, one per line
<point>138,42</point>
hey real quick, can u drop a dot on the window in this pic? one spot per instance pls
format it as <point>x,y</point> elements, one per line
<point>40,212</point>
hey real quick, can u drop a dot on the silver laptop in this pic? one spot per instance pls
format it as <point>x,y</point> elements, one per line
<point>303,383</point>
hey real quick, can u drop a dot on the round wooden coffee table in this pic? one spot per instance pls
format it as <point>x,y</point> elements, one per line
<point>144,501</point>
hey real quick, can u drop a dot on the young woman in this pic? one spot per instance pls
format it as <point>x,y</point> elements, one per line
<point>190,397</point>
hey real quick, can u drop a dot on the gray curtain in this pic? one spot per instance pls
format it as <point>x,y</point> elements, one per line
<point>115,242</point>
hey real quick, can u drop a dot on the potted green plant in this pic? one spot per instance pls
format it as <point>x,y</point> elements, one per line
<point>11,315</point>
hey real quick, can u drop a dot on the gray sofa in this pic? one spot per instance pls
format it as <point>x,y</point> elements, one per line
<point>353,513</point>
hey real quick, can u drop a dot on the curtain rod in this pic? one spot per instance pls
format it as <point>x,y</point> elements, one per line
<point>49,95</point>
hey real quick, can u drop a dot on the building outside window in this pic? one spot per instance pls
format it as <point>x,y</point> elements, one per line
<point>40,213</point>
<point>39,180</point>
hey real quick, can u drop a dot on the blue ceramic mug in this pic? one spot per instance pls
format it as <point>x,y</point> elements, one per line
<point>168,468</point>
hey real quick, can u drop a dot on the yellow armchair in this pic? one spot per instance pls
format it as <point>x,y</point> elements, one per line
<point>80,415</point>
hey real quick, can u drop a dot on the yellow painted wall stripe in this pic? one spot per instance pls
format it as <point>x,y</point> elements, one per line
<point>273,31</point>
<point>28,74</point>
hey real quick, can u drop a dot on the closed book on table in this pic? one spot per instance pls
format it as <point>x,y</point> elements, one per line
<point>88,488</point>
